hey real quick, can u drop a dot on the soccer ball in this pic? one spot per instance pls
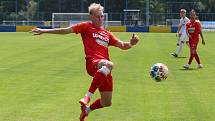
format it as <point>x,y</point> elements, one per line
<point>159,72</point>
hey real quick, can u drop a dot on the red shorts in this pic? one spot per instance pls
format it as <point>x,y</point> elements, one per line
<point>92,68</point>
<point>193,45</point>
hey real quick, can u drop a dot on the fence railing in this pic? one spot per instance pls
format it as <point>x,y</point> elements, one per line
<point>41,18</point>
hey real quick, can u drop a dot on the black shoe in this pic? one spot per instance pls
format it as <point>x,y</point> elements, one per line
<point>175,55</point>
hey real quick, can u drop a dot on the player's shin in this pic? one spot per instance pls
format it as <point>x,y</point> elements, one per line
<point>99,78</point>
<point>86,99</point>
<point>179,48</point>
<point>191,58</point>
<point>197,58</point>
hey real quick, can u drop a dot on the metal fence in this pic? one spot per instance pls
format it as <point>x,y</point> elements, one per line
<point>154,18</point>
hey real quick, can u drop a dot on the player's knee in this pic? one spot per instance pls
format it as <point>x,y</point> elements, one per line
<point>110,65</point>
<point>105,70</point>
<point>106,63</point>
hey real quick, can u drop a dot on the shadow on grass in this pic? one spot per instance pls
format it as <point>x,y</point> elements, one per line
<point>182,57</point>
<point>179,57</point>
<point>190,69</point>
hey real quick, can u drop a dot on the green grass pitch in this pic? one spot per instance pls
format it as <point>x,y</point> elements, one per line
<point>43,77</point>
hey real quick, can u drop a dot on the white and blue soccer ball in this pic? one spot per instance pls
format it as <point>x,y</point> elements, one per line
<point>159,72</point>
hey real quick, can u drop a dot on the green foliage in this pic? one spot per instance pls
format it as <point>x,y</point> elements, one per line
<point>110,5</point>
<point>31,9</point>
<point>43,9</point>
<point>157,7</point>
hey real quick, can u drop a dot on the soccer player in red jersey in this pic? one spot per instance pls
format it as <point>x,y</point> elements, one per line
<point>96,41</point>
<point>193,28</point>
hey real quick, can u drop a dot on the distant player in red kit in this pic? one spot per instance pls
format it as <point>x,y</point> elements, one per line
<point>193,28</point>
<point>96,41</point>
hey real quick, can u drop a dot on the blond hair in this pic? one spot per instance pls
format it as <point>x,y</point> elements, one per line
<point>183,10</point>
<point>95,7</point>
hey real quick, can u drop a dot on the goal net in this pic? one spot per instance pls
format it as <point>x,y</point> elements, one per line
<point>68,19</point>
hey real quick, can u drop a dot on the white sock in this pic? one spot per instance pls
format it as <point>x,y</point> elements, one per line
<point>88,109</point>
<point>179,39</point>
<point>89,94</point>
<point>179,48</point>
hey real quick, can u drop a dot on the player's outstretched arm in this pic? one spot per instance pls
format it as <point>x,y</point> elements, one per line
<point>127,45</point>
<point>38,31</point>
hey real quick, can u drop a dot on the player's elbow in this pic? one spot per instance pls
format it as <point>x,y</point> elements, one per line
<point>65,30</point>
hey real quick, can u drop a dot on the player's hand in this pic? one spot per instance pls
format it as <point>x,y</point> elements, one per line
<point>178,34</point>
<point>37,31</point>
<point>134,39</point>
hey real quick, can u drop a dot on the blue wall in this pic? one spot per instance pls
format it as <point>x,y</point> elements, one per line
<point>174,29</point>
<point>138,29</point>
<point>7,28</point>
<point>128,29</point>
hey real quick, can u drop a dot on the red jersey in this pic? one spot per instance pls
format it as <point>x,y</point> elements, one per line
<point>193,29</point>
<point>95,39</point>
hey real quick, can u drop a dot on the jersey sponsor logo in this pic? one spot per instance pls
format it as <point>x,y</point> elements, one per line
<point>100,37</point>
<point>102,40</point>
<point>191,30</point>
<point>103,33</point>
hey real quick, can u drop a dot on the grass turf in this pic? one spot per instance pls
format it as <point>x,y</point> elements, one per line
<point>43,77</point>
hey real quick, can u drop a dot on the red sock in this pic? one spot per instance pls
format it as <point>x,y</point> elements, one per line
<point>96,105</point>
<point>197,58</point>
<point>191,59</point>
<point>97,81</point>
